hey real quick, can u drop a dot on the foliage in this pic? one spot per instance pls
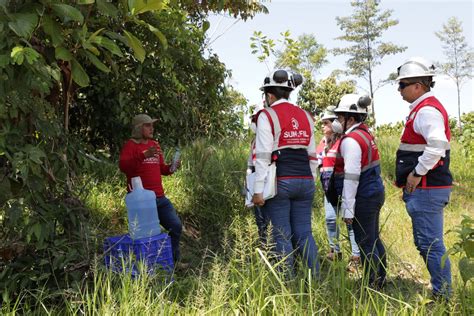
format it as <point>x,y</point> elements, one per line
<point>52,55</point>
<point>364,30</point>
<point>242,9</point>
<point>316,96</point>
<point>303,55</point>
<point>466,137</point>
<point>465,247</point>
<point>460,57</point>
<point>43,223</point>
<point>177,84</point>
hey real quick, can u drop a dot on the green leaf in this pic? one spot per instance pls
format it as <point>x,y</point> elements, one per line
<point>466,269</point>
<point>135,44</point>
<point>67,13</point>
<point>23,24</point>
<point>17,55</point>
<point>85,1</point>
<point>31,55</point>
<point>107,44</point>
<point>53,29</point>
<point>107,8</point>
<point>96,62</point>
<point>79,75</point>
<point>141,6</point>
<point>155,31</point>
<point>205,26</point>
<point>63,54</point>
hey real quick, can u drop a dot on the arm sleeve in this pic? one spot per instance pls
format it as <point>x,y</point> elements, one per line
<point>263,150</point>
<point>352,154</point>
<point>130,159</point>
<point>429,123</point>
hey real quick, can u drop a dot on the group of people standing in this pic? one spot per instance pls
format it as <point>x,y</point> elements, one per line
<point>347,162</point>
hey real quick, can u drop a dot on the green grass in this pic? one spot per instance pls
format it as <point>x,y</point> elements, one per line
<point>232,273</point>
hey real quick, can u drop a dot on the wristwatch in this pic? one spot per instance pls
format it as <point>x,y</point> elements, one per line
<point>413,172</point>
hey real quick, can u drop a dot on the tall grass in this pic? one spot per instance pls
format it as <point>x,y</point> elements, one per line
<point>232,273</point>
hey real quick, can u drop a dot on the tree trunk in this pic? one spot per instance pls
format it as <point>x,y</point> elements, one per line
<point>459,105</point>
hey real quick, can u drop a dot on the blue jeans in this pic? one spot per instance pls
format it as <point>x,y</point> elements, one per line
<point>262,224</point>
<point>367,235</point>
<point>425,207</point>
<point>333,231</point>
<point>290,214</point>
<point>170,221</point>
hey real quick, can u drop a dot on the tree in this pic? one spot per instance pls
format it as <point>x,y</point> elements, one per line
<point>323,93</point>
<point>364,29</point>
<point>460,57</point>
<point>72,73</point>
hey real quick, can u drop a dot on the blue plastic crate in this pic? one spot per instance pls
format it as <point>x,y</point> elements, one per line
<point>123,254</point>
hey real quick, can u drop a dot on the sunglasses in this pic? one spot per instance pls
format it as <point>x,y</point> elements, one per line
<point>403,85</point>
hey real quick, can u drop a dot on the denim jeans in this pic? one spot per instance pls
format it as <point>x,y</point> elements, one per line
<point>333,231</point>
<point>170,221</point>
<point>262,224</point>
<point>290,214</point>
<point>366,230</point>
<point>425,207</point>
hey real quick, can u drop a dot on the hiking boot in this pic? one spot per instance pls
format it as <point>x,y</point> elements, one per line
<point>354,263</point>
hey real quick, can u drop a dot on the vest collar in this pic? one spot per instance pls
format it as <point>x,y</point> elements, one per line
<point>421,98</point>
<point>279,102</point>
<point>352,128</point>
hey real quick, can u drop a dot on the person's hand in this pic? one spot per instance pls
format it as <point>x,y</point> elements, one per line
<point>152,151</point>
<point>412,183</point>
<point>258,200</point>
<point>348,221</point>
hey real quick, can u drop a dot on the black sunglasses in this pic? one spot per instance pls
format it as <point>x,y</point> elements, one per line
<point>403,85</point>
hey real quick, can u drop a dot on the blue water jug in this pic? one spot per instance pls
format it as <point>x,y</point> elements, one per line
<point>142,213</point>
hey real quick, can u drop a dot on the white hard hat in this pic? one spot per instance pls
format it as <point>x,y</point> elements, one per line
<point>353,103</point>
<point>282,78</point>
<point>416,67</point>
<point>329,114</point>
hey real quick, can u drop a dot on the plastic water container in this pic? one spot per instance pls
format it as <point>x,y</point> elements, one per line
<point>142,213</point>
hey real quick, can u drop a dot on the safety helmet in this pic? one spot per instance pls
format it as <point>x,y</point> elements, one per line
<point>329,114</point>
<point>353,103</point>
<point>415,67</point>
<point>282,78</point>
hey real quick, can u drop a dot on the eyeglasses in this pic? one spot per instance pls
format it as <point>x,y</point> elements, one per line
<point>403,85</point>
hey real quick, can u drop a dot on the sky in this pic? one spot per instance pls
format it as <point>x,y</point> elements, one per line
<point>418,20</point>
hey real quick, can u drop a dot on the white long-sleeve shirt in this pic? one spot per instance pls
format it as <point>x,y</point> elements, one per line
<point>264,149</point>
<point>352,154</point>
<point>429,123</point>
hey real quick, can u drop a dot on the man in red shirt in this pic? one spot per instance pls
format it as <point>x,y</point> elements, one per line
<point>141,156</point>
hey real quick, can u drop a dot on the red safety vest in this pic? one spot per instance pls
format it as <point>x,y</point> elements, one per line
<point>413,145</point>
<point>292,127</point>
